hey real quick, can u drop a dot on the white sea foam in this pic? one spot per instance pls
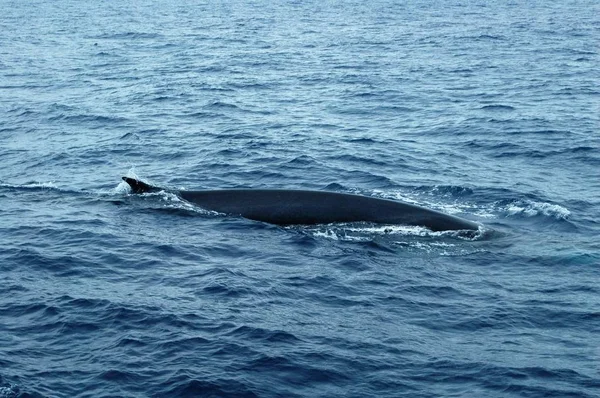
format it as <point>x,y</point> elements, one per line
<point>8,392</point>
<point>364,233</point>
<point>122,188</point>
<point>527,208</point>
<point>533,208</point>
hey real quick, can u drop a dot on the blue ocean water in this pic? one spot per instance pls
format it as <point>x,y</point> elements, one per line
<point>487,111</point>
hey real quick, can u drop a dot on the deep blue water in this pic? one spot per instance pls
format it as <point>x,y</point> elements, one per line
<point>486,111</point>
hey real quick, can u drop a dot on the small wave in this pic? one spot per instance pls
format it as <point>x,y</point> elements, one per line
<point>85,118</point>
<point>363,140</point>
<point>498,107</point>
<point>130,135</point>
<point>225,290</point>
<point>7,129</point>
<point>356,159</point>
<point>32,185</point>
<point>462,70</point>
<point>334,186</point>
<point>186,386</point>
<point>130,35</point>
<point>578,51</point>
<point>25,112</point>
<point>220,105</point>
<point>490,37</point>
<point>244,85</point>
<point>300,373</point>
<point>118,376</point>
<point>263,335</point>
<point>302,160</point>
<point>580,149</point>
<point>396,109</point>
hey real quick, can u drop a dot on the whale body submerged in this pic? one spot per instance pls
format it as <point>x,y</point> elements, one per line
<point>290,207</point>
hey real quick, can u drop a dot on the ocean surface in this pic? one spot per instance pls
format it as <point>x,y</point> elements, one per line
<point>487,111</point>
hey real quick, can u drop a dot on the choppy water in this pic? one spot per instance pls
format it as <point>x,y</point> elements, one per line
<point>486,111</point>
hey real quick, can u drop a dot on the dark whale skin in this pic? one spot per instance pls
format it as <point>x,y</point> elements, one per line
<point>291,207</point>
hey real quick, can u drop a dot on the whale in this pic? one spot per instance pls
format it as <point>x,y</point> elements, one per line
<point>309,207</point>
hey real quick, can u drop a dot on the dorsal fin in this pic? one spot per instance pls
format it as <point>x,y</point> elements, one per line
<point>138,186</point>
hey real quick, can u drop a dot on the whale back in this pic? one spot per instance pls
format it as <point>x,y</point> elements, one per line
<point>290,207</point>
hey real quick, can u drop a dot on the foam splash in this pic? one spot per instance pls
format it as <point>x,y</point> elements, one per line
<point>122,188</point>
<point>366,233</point>
<point>533,208</point>
<point>401,238</point>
